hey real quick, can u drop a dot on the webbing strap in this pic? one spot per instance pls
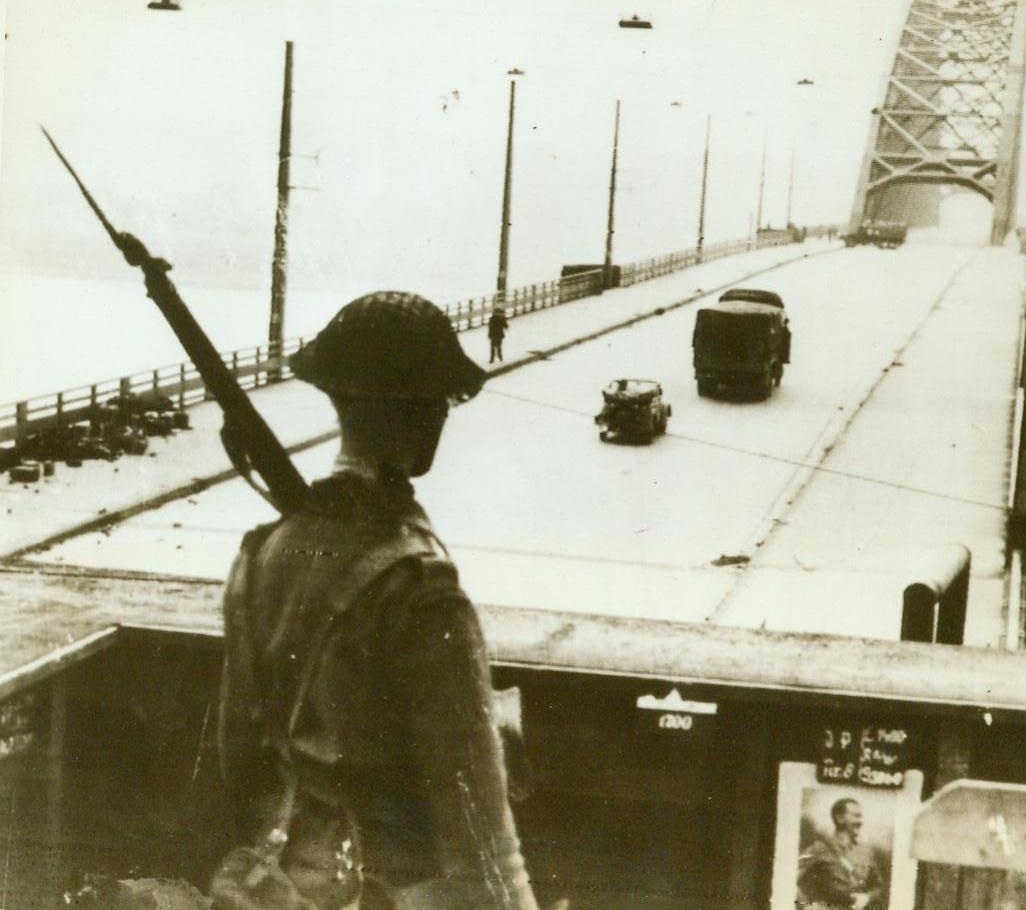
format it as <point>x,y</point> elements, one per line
<point>416,541</point>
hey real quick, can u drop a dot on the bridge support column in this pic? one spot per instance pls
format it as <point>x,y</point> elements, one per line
<point>1007,173</point>
<point>923,132</point>
<point>858,211</point>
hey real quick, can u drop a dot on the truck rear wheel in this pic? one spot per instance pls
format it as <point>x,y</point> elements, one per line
<point>705,388</point>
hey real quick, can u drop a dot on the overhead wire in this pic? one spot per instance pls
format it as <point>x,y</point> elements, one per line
<point>818,467</point>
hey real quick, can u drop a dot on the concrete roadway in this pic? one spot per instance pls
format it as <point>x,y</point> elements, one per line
<point>99,494</point>
<point>807,512</point>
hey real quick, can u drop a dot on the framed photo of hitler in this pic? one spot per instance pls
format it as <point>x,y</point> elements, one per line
<point>843,844</point>
<point>845,847</point>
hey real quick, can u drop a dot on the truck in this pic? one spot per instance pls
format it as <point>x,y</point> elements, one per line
<point>741,343</point>
<point>885,234</point>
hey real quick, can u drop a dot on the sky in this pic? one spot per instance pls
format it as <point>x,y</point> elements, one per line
<point>399,120</point>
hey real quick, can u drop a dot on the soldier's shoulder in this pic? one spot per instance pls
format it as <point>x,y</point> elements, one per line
<point>419,577</point>
<point>239,577</point>
<point>254,538</point>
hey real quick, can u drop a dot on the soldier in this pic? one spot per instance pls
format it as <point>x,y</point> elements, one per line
<point>356,728</point>
<point>497,325</point>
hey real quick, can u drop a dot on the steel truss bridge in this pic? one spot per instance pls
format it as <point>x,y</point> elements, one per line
<point>951,110</point>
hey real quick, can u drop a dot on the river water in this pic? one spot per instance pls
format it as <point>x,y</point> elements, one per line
<point>64,332</point>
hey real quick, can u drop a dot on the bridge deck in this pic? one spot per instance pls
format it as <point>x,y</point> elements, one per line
<point>935,437</point>
<point>817,549</point>
<point>96,494</point>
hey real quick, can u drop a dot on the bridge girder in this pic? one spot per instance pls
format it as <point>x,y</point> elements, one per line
<point>951,111</point>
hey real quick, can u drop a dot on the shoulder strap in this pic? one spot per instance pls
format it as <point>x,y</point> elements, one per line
<point>413,541</point>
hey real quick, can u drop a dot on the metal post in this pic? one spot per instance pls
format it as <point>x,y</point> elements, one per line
<point>790,191</point>
<point>507,187</point>
<point>607,268</point>
<point>21,423</point>
<point>276,330</point>
<point>762,187</point>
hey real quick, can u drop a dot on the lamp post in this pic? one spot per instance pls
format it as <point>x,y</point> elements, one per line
<point>803,83</point>
<point>701,198</point>
<point>607,266</point>
<point>279,262</point>
<point>507,187</point>
<point>762,188</point>
<point>790,191</point>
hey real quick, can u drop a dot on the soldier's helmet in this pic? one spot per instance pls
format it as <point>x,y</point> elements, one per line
<point>389,344</point>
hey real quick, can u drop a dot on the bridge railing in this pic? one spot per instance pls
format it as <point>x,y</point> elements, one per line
<point>180,383</point>
<point>253,367</point>
<point>657,266</point>
<point>259,365</point>
<point>474,311</point>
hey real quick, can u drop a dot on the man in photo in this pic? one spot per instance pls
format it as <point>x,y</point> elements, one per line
<point>837,871</point>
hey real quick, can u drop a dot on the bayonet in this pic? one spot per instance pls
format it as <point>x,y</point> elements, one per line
<point>249,441</point>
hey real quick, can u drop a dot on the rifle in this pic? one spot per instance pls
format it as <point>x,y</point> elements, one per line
<point>248,440</point>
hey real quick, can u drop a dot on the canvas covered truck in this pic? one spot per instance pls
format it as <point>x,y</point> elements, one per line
<point>741,343</point>
<point>885,234</point>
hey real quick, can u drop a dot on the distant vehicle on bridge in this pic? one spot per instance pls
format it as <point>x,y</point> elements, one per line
<point>885,234</point>
<point>771,236</point>
<point>741,343</point>
<point>633,410</point>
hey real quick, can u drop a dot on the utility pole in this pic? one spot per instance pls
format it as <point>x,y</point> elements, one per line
<point>762,187</point>
<point>500,284</point>
<point>607,269</point>
<point>790,191</point>
<point>705,179</point>
<point>279,262</point>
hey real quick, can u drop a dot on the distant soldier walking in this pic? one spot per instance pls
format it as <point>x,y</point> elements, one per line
<point>356,728</point>
<point>497,326</point>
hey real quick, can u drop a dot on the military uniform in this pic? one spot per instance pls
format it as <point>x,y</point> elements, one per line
<point>356,676</point>
<point>497,325</point>
<point>830,874</point>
